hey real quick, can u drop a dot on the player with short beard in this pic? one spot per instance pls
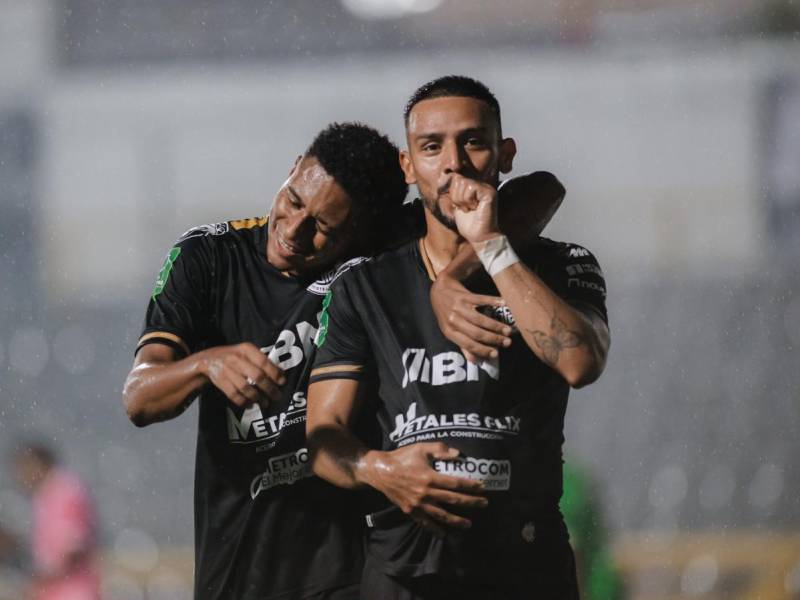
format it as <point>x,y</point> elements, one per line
<point>499,422</point>
<point>230,322</point>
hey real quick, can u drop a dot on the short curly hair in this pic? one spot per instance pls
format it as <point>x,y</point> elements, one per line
<point>366,164</point>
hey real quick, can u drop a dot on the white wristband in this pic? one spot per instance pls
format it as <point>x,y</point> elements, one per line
<point>496,254</point>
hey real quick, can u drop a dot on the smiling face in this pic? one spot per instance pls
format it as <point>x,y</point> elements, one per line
<point>310,222</point>
<point>448,135</point>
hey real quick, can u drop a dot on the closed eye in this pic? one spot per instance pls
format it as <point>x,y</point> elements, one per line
<point>293,198</point>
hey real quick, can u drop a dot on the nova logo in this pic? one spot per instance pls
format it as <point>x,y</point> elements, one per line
<point>587,285</point>
<point>443,368</point>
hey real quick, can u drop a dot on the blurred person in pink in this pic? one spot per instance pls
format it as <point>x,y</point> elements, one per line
<point>63,527</point>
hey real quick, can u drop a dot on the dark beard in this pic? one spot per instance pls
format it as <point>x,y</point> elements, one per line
<point>436,211</point>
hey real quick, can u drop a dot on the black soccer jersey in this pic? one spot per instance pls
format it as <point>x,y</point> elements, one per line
<point>264,526</point>
<point>505,416</point>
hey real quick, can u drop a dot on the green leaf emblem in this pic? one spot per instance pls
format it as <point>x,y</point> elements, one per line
<point>322,332</point>
<point>166,268</point>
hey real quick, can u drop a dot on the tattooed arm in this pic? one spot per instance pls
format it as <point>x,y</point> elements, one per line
<point>571,341</point>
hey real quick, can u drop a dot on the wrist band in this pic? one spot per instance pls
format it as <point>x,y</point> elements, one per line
<point>496,254</point>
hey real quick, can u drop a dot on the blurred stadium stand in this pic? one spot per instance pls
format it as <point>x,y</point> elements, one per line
<point>673,124</point>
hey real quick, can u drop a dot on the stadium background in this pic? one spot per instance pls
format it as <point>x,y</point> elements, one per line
<point>674,124</point>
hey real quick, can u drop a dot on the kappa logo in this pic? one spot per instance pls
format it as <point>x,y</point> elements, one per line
<point>201,230</point>
<point>578,252</point>
<point>443,368</point>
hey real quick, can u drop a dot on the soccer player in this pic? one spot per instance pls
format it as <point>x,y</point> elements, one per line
<point>498,422</point>
<point>231,321</point>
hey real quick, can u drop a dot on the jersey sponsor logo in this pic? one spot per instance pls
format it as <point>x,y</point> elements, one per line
<point>494,473</point>
<point>580,269</point>
<point>321,286</point>
<point>253,427</point>
<point>285,469</point>
<point>410,427</point>
<point>201,230</point>
<point>578,252</point>
<point>166,269</point>
<point>586,285</point>
<point>290,349</point>
<point>443,368</point>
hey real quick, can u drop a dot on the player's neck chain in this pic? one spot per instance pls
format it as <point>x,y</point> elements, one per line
<point>426,259</point>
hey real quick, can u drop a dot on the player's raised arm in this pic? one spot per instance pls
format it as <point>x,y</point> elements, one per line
<point>572,341</point>
<point>526,205</point>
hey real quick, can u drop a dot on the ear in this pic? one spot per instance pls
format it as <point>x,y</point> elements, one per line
<point>508,150</point>
<point>408,167</point>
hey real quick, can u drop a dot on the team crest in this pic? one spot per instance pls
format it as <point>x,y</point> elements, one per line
<point>320,286</point>
<point>209,229</point>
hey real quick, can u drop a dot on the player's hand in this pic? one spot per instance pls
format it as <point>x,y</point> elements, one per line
<point>474,209</point>
<point>243,373</point>
<point>456,310</point>
<point>406,477</point>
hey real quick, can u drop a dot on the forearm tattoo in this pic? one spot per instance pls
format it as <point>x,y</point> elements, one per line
<point>557,340</point>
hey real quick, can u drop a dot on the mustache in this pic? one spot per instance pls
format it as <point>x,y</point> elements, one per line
<point>444,188</point>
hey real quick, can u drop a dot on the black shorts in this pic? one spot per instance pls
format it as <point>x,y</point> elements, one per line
<point>554,581</point>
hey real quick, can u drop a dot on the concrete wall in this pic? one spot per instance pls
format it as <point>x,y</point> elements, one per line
<point>659,152</point>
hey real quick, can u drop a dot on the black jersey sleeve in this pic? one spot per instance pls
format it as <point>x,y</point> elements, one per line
<point>581,279</point>
<point>178,312</point>
<point>343,347</point>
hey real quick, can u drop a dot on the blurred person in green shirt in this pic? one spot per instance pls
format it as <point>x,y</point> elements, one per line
<point>598,576</point>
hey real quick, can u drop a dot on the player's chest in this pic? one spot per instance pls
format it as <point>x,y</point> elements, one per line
<point>281,318</point>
